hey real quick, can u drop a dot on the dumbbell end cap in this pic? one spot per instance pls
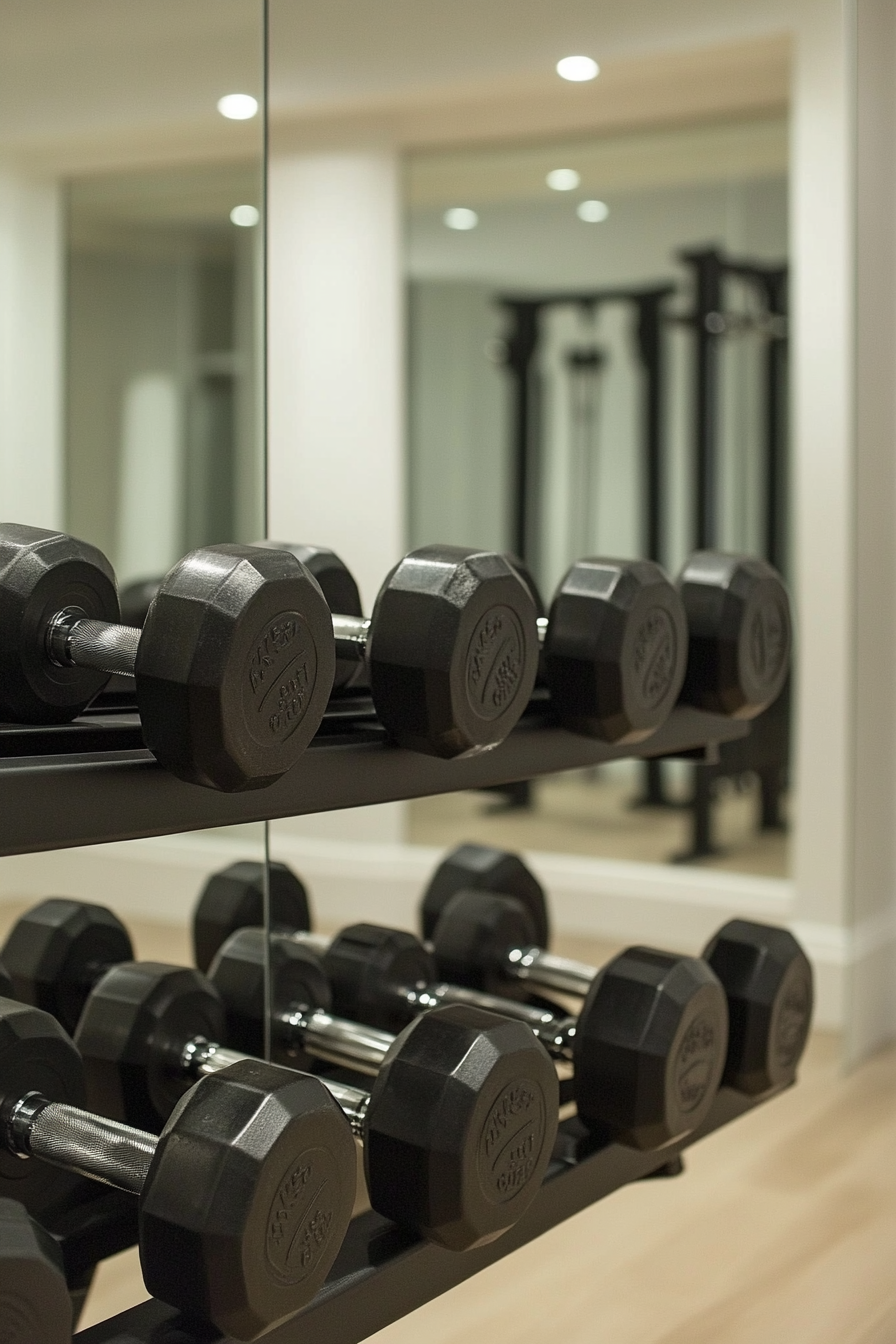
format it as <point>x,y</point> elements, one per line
<point>465,1107</point>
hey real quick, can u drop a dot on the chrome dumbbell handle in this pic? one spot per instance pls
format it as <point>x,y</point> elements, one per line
<point>201,1057</point>
<point>75,641</point>
<point>79,1141</point>
<point>333,1039</point>
<point>555,1031</point>
<point>548,971</point>
<point>351,634</point>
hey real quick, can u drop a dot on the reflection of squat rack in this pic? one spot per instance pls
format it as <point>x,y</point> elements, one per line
<point>765,751</point>
<point>584,365</point>
<point>522,342</point>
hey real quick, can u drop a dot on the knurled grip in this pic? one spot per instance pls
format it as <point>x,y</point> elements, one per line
<point>105,647</point>
<point>103,1149</point>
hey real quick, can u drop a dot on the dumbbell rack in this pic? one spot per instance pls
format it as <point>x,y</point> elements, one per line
<point>92,781</point>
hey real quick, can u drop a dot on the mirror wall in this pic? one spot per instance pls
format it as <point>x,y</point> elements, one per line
<point>568,273</point>
<point>131,235</point>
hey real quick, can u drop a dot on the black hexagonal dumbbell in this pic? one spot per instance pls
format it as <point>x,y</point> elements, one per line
<point>614,649</point>
<point>620,647</point>
<point>768,981</point>
<point>482,942</point>
<point>56,952</point>
<point>234,664</point>
<point>234,899</point>
<point>740,633</point>
<point>648,1047</point>
<point>472,867</point>
<point>244,1198</point>
<point>35,1307</point>
<point>457,1127</point>
<point>450,652</point>
<point>334,578</point>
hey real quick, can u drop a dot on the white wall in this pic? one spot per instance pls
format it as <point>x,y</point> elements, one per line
<point>31,350</point>
<point>871,782</point>
<point>335,382</point>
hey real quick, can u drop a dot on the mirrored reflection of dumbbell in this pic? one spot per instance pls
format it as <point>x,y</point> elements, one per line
<point>457,1127</point>
<point>234,899</point>
<point>484,942</point>
<point>450,652</point>
<point>57,951</point>
<point>244,1198</point>
<point>234,664</point>
<point>739,633</point>
<point>612,649</point>
<point>648,1051</point>
<point>619,650</point>
<point>35,1307</point>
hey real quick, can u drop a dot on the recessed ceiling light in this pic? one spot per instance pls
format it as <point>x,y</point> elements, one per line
<point>563,179</point>
<point>244,216</point>
<point>459,217</point>
<point>578,69</point>
<point>593,212</point>
<point>238,106</point>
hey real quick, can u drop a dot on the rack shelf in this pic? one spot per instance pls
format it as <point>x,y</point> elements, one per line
<point>381,1275</point>
<point>90,781</point>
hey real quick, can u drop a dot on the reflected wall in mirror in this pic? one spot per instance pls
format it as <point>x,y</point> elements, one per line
<point>164,428</point>
<point>598,366</point>
<point>131,262</point>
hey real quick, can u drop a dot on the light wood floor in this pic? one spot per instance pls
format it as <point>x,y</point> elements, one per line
<point>782,1231</point>
<point>575,814</point>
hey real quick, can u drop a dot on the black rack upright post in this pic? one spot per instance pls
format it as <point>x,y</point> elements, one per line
<point>522,343</point>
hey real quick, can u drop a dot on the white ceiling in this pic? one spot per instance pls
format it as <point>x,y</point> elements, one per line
<point>91,83</point>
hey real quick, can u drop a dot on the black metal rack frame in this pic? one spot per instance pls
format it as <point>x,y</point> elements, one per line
<point>381,1275</point>
<point>52,799</point>
<point>93,781</point>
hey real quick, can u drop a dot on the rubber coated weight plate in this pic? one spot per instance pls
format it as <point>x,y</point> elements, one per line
<point>41,573</point>
<point>35,1307</point>
<point>132,1034</point>
<point>740,633</point>
<point>57,951</point>
<point>768,980</point>
<point>616,649</point>
<point>36,1056</point>
<point>482,868</point>
<point>235,666</point>
<point>234,899</point>
<point>453,650</point>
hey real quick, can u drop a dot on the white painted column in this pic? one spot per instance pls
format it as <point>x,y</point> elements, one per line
<point>844,218</point>
<point>871,891</point>
<point>31,351</point>
<point>822,406</point>
<point>335,379</point>
<point>335,356</point>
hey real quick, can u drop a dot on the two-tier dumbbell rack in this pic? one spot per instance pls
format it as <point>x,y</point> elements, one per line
<point>92,781</point>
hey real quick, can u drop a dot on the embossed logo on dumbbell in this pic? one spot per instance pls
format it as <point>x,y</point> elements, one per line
<point>494,662</point>
<point>654,656</point>
<point>694,1063</point>
<point>301,1217</point>
<point>281,675</point>
<point>767,642</point>
<point>511,1141</point>
<point>792,1020</point>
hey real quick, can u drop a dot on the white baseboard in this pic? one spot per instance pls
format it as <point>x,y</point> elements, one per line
<point>676,907</point>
